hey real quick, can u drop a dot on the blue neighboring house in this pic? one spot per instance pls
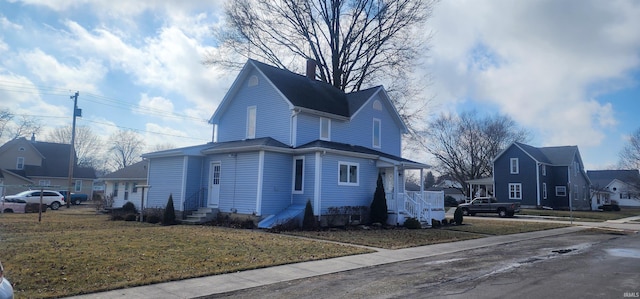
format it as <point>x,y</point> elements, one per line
<point>542,177</point>
<point>281,139</point>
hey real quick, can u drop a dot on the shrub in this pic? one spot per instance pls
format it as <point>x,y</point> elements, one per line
<point>129,207</point>
<point>449,201</point>
<point>435,223</point>
<point>309,221</point>
<point>412,223</point>
<point>169,212</point>
<point>153,219</point>
<point>457,216</point>
<point>378,212</point>
<point>130,217</point>
<point>153,215</point>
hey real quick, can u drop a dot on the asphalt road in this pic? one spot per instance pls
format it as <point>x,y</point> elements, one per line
<point>586,264</point>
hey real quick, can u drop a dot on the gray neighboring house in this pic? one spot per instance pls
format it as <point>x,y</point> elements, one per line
<point>121,186</point>
<point>542,176</point>
<point>621,186</point>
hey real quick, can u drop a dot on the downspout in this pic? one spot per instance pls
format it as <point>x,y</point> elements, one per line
<point>395,193</point>
<point>537,183</point>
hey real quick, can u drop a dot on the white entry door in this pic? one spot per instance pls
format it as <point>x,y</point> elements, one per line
<point>214,185</point>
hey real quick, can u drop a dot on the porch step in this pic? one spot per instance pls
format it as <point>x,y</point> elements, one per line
<point>202,215</point>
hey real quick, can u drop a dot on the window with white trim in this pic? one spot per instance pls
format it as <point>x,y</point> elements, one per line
<point>544,170</point>
<point>44,183</point>
<point>325,129</point>
<point>78,186</point>
<point>298,175</point>
<point>20,163</point>
<point>348,173</point>
<point>515,191</point>
<point>514,166</point>
<point>544,190</point>
<point>251,122</point>
<point>561,190</point>
<point>377,134</point>
<point>134,188</point>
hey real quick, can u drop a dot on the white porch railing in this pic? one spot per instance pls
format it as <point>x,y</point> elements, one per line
<point>419,205</point>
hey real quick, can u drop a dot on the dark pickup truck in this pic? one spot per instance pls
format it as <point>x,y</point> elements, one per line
<point>489,205</point>
<point>76,198</point>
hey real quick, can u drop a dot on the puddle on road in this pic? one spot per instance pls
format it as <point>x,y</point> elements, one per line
<point>624,252</point>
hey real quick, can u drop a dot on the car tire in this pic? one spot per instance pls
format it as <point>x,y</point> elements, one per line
<point>55,205</point>
<point>76,202</point>
<point>502,213</point>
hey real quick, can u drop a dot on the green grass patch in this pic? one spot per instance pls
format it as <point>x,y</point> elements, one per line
<point>584,215</point>
<point>76,251</point>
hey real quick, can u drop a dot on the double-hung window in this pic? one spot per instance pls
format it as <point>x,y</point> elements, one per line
<point>348,173</point>
<point>514,166</point>
<point>377,134</point>
<point>325,129</point>
<point>515,191</point>
<point>251,122</point>
<point>20,163</point>
<point>298,175</point>
<point>77,186</point>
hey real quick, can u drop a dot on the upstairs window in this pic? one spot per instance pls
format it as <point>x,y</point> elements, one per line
<point>376,133</point>
<point>251,122</point>
<point>348,173</point>
<point>325,129</point>
<point>544,170</point>
<point>514,166</point>
<point>20,163</point>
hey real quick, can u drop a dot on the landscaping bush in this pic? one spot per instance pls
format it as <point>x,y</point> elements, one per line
<point>169,212</point>
<point>130,217</point>
<point>412,223</point>
<point>153,219</point>
<point>129,207</point>
<point>449,201</point>
<point>378,212</point>
<point>153,215</point>
<point>309,221</point>
<point>457,216</point>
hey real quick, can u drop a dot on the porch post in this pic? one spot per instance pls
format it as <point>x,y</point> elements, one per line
<point>395,192</point>
<point>421,183</point>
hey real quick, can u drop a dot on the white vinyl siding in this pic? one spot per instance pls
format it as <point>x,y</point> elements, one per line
<point>515,191</point>
<point>514,166</point>
<point>348,173</point>
<point>251,122</point>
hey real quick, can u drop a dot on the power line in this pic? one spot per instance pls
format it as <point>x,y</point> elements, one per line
<point>143,131</point>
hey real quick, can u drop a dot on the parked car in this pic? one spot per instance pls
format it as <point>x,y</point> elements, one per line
<point>9,205</point>
<point>6,290</point>
<point>53,199</point>
<point>76,198</point>
<point>489,205</point>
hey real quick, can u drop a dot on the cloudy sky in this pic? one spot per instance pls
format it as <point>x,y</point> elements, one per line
<point>569,71</point>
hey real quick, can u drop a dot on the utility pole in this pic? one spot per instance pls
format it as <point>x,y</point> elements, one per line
<point>72,157</point>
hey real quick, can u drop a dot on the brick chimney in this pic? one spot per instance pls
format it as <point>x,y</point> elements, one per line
<point>311,69</point>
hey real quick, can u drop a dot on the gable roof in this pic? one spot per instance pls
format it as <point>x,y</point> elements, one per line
<point>553,155</point>
<point>307,94</point>
<point>133,171</point>
<point>602,178</point>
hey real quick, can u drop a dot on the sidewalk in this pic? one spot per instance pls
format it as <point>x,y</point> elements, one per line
<point>196,287</point>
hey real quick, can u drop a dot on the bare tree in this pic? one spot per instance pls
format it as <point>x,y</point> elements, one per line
<point>88,146</point>
<point>162,146</point>
<point>5,117</point>
<point>630,154</point>
<point>10,128</point>
<point>355,43</point>
<point>125,148</point>
<point>464,146</point>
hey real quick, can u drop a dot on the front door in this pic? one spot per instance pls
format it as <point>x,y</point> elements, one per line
<point>214,185</point>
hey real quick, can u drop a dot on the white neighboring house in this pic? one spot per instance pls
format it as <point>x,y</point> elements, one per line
<point>623,186</point>
<point>122,185</point>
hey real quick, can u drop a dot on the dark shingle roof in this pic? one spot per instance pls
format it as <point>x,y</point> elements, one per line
<point>55,162</point>
<point>353,148</point>
<point>133,171</point>
<point>602,178</point>
<point>554,155</point>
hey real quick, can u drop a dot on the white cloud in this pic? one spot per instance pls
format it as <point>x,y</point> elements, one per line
<point>537,61</point>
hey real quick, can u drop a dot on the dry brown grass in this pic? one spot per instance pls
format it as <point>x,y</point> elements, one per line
<point>584,215</point>
<point>76,251</point>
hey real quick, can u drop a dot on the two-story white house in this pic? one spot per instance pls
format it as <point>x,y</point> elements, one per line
<point>281,139</point>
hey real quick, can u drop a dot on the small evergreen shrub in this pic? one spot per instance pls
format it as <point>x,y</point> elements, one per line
<point>457,216</point>
<point>130,217</point>
<point>153,219</point>
<point>129,207</point>
<point>378,211</point>
<point>412,223</point>
<point>309,221</point>
<point>169,212</point>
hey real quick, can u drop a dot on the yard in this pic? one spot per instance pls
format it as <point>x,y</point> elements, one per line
<point>584,215</point>
<point>76,251</point>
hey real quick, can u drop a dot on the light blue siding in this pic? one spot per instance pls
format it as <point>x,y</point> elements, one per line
<point>308,128</point>
<point>273,116</point>
<point>309,181</point>
<point>277,182</point>
<point>165,178</point>
<point>238,181</point>
<point>194,173</point>
<point>334,195</point>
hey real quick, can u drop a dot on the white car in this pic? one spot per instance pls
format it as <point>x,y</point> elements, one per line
<point>53,199</point>
<point>6,290</point>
